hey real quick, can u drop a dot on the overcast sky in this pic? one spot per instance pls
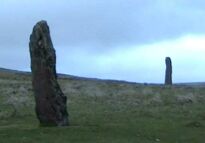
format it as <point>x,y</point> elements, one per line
<point>110,39</point>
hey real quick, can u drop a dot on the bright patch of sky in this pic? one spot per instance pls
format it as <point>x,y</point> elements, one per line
<point>142,63</point>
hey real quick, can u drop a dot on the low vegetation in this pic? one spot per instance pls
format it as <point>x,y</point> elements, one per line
<point>105,112</point>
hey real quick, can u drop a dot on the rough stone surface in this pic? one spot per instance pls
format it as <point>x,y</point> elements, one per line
<point>168,76</point>
<point>50,100</point>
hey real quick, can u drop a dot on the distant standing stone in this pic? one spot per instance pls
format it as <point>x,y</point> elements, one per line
<point>168,75</point>
<point>50,101</point>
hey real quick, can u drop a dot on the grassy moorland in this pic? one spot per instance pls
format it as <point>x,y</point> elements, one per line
<point>105,112</point>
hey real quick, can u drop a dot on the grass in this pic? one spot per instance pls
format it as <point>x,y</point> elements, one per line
<point>106,113</point>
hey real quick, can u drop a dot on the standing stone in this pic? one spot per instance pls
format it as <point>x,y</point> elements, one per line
<point>50,100</point>
<point>168,76</point>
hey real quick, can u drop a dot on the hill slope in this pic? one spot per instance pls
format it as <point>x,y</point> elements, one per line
<point>104,111</point>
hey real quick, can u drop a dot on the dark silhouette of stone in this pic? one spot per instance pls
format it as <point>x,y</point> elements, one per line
<point>168,76</point>
<point>50,100</point>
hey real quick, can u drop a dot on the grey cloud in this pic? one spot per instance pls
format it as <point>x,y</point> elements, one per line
<point>110,24</point>
<point>103,24</point>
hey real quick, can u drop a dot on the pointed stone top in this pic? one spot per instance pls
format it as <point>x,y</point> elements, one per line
<point>41,36</point>
<point>168,59</point>
<point>41,26</point>
<point>42,23</point>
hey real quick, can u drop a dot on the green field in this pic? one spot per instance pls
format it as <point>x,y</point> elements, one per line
<point>105,112</point>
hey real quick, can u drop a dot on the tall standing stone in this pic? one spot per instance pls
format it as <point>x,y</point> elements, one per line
<point>168,76</point>
<point>50,101</point>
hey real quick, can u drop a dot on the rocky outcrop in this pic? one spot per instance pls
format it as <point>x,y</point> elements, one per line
<point>168,75</point>
<point>50,101</point>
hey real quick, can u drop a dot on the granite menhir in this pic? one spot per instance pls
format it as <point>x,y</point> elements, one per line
<point>168,76</point>
<point>50,101</point>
